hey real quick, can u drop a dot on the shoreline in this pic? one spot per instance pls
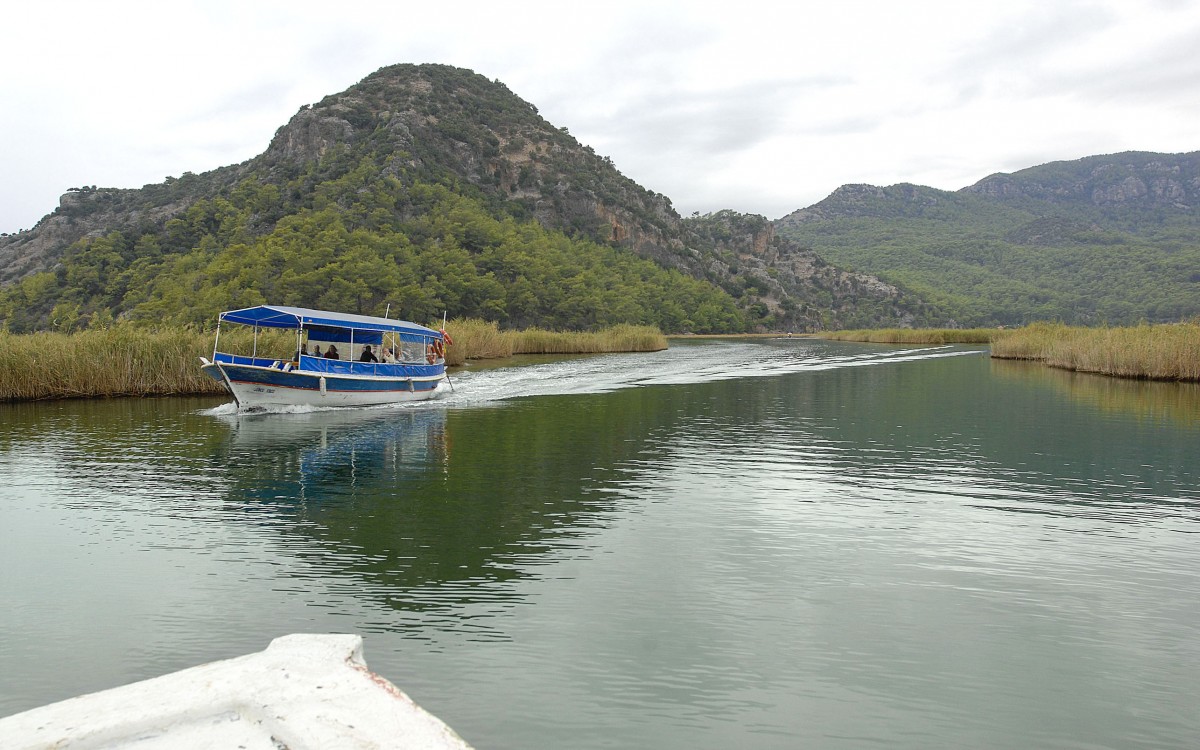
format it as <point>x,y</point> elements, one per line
<point>1168,352</point>
<point>917,335</point>
<point>1165,352</point>
<point>128,362</point>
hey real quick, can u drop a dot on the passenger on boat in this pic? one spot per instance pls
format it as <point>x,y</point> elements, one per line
<point>332,353</point>
<point>389,356</point>
<point>367,355</point>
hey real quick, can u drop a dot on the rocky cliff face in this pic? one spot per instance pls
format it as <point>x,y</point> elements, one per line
<point>309,135</point>
<point>1127,180</point>
<point>80,213</point>
<point>92,212</point>
<point>753,256</point>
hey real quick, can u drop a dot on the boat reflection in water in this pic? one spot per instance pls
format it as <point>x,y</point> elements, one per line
<point>288,458</point>
<point>371,503</point>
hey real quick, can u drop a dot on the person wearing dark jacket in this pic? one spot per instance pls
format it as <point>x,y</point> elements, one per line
<point>367,355</point>
<point>332,353</point>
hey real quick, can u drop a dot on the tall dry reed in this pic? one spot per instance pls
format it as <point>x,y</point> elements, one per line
<point>118,361</point>
<point>479,339</point>
<point>1168,351</point>
<point>620,338</point>
<point>918,335</point>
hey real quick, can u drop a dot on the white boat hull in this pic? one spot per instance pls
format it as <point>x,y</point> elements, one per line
<point>304,691</point>
<point>255,387</point>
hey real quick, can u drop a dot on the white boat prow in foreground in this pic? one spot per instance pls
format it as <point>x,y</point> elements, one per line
<point>336,359</point>
<point>303,691</point>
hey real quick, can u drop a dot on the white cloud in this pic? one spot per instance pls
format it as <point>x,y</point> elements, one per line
<point>758,106</point>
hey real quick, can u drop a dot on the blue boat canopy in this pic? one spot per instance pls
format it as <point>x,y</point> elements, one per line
<point>274,316</point>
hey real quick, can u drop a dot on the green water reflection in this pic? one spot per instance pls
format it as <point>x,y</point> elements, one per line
<point>407,501</point>
<point>1151,401</point>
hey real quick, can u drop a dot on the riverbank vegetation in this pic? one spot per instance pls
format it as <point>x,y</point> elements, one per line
<point>1168,351</point>
<point>117,361</point>
<point>919,335</point>
<point>125,360</point>
<point>480,339</point>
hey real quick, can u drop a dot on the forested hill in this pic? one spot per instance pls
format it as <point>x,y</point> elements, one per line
<point>1105,239</point>
<point>433,189</point>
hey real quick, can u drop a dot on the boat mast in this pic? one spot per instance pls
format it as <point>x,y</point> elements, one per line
<point>387,310</point>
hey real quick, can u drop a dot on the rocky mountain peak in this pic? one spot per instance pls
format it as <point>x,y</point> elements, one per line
<point>445,126</point>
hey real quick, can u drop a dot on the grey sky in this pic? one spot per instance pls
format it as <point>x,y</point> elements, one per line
<point>763,107</point>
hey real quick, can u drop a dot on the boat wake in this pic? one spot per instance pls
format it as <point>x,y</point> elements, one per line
<point>682,364</point>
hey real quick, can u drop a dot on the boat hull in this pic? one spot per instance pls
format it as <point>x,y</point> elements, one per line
<point>262,387</point>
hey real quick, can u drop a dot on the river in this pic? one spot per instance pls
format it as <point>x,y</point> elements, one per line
<point>734,543</point>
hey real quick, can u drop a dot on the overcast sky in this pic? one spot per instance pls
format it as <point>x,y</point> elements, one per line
<point>762,107</point>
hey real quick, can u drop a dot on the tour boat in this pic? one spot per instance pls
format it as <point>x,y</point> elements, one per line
<point>336,360</point>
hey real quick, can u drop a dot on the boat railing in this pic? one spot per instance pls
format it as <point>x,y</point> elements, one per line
<point>337,366</point>
<point>237,359</point>
<point>380,369</point>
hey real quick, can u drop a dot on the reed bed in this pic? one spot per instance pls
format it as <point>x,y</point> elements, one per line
<point>118,361</point>
<point>479,339</point>
<point>1157,352</point>
<point>621,338</point>
<point>476,339</point>
<point>919,335</point>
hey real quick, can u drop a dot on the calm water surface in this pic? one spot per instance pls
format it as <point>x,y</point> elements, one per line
<point>850,546</point>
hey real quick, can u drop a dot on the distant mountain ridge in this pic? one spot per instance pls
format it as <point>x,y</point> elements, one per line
<point>1104,239</point>
<point>368,155</point>
<point>1116,182</point>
